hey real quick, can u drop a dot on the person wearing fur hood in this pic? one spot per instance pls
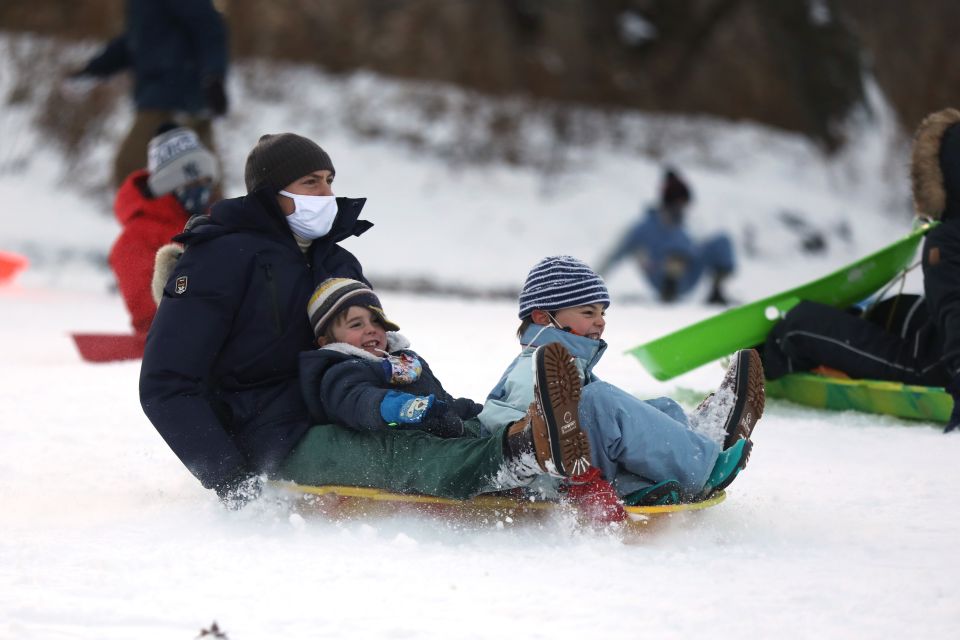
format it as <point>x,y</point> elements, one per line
<point>924,348</point>
<point>365,376</point>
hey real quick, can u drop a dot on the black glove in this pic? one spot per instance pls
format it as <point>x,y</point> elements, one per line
<point>466,408</point>
<point>236,492</point>
<point>954,389</point>
<point>441,421</point>
<point>215,95</point>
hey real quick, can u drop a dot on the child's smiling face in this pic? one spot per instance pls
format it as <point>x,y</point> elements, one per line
<point>361,328</point>
<point>587,320</point>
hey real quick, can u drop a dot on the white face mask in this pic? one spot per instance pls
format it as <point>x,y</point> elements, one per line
<point>313,216</point>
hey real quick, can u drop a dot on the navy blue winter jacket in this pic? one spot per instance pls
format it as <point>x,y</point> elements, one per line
<point>219,378</point>
<point>172,46</point>
<point>346,385</point>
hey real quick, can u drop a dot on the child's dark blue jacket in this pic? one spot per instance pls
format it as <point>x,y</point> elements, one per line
<point>347,385</point>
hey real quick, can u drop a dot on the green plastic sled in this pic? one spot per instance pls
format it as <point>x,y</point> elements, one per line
<point>748,325</point>
<point>930,404</point>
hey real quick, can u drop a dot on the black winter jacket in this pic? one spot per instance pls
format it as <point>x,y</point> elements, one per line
<point>346,385</point>
<point>172,46</point>
<point>220,368</point>
<point>941,287</point>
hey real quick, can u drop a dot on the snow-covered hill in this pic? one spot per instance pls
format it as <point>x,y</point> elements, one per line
<point>841,526</point>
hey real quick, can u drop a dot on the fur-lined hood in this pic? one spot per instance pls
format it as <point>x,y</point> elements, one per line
<point>395,342</point>
<point>926,172</point>
<point>163,265</point>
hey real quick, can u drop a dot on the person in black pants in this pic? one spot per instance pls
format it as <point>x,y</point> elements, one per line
<point>923,346</point>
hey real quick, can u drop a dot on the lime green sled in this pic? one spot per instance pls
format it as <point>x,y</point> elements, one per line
<point>748,325</point>
<point>345,502</point>
<point>930,404</point>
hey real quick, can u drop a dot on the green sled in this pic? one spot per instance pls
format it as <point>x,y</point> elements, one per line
<point>930,404</point>
<point>748,325</point>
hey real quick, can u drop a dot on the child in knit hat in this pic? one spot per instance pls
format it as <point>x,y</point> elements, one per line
<point>365,376</point>
<point>651,451</point>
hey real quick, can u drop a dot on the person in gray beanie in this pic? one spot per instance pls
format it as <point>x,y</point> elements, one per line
<point>651,451</point>
<point>153,205</point>
<point>907,338</point>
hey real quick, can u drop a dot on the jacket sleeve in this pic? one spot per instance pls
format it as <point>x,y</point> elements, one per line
<point>509,400</point>
<point>114,57</point>
<point>351,393</point>
<point>208,33</point>
<point>181,349</point>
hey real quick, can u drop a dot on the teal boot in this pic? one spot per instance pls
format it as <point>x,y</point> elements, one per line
<point>662,493</point>
<point>728,465</point>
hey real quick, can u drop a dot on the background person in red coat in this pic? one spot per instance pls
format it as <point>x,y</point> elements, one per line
<point>153,205</point>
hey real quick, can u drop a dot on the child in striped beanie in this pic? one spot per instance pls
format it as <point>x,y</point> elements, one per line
<point>651,451</point>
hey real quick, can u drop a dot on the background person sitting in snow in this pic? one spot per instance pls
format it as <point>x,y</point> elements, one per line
<point>926,349</point>
<point>647,449</point>
<point>671,260</point>
<point>366,376</point>
<point>153,205</point>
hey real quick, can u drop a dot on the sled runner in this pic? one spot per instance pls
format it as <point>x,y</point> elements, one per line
<point>336,501</point>
<point>109,347</point>
<point>10,265</point>
<point>930,404</point>
<point>748,325</point>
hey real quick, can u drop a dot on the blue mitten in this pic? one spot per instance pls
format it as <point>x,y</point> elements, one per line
<point>398,408</point>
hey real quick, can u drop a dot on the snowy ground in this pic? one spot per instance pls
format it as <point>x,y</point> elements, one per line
<point>842,526</point>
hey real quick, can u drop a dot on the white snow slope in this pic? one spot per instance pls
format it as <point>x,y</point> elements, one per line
<point>843,525</point>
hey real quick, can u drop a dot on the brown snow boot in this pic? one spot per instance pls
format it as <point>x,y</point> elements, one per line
<point>550,433</point>
<point>737,404</point>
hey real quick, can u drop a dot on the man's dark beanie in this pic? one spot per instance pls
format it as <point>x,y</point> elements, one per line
<point>280,158</point>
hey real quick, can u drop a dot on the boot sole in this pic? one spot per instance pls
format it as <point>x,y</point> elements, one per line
<point>557,391</point>
<point>751,397</point>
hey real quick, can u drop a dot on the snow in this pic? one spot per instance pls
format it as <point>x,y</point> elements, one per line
<point>842,525</point>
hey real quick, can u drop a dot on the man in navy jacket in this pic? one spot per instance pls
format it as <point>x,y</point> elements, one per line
<point>219,378</point>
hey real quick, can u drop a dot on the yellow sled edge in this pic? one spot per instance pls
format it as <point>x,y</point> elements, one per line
<point>485,502</point>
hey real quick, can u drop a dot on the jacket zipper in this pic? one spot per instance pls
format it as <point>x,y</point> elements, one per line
<point>268,272</point>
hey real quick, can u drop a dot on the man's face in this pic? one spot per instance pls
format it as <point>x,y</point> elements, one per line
<point>318,183</point>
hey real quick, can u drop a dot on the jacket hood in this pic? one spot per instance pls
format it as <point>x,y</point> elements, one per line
<point>395,342</point>
<point>935,164</point>
<point>259,212</point>
<point>582,348</point>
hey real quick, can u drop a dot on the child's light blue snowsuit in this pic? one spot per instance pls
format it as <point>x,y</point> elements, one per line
<point>634,443</point>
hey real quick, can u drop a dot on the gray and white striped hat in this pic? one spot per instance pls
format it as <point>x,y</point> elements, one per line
<point>560,282</point>
<point>335,294</point>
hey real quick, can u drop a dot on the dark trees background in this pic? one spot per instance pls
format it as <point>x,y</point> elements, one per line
<point>800,65</point>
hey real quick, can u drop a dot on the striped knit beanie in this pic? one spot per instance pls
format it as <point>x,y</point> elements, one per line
<point>279,159</point>
<point>559,282</point>
<point>335,294</point>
